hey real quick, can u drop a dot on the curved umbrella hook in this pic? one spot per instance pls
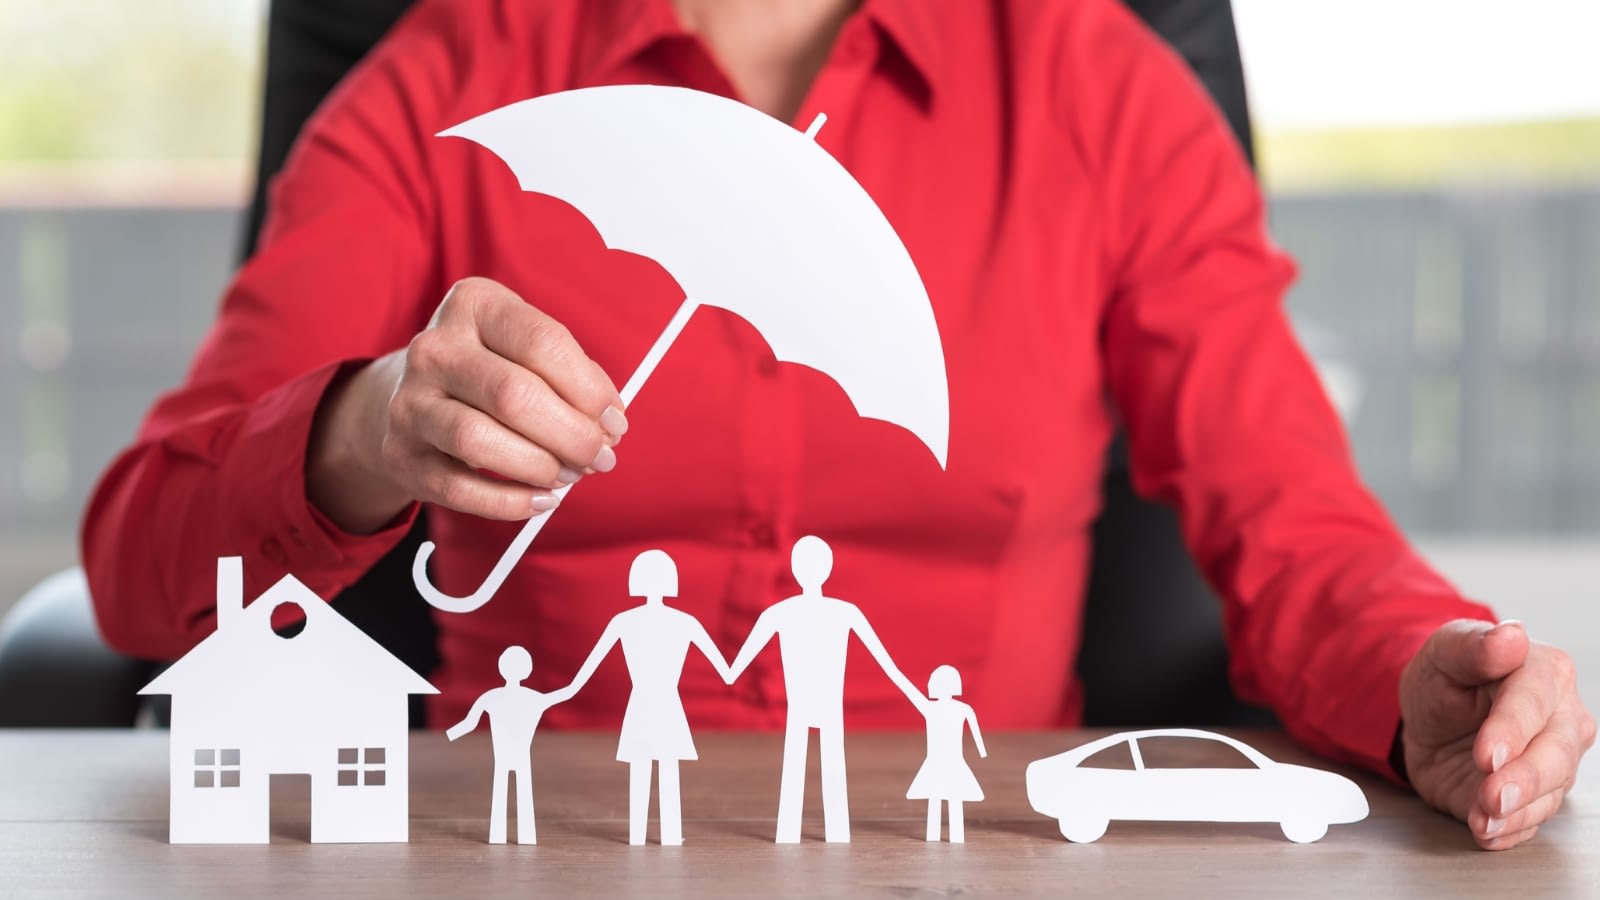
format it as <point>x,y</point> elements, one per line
<point>530,530</point>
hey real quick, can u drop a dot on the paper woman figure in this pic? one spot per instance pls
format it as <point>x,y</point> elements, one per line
<point>655,640</point>
<point>944,774</point>
<point>514,713</point>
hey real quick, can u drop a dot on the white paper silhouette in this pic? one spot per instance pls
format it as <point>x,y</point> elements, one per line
<point>1303,801</point>
<point>813,634</point>
<point>748,215</point>
<point>514,713</point>
<point>945,775</point>
<point>247,704</point>
<point>655,641</point>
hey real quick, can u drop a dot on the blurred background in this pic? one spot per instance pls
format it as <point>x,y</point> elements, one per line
<point>1434,166</point>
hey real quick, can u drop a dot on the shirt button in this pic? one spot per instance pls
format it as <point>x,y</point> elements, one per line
<point>762,535</point>
<point>271,549</point>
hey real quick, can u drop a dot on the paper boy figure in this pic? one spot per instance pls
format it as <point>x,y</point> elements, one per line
<point>813,634</point>
<point>513,712</point>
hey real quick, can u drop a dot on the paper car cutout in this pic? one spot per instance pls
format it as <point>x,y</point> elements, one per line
<point>1085,799</point>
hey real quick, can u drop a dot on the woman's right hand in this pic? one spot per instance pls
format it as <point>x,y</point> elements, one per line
<point>491,384</point>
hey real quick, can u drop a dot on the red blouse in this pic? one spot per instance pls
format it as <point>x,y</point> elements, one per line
<point>1093,245</point>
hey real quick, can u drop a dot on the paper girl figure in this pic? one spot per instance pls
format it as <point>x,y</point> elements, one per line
<point>514,713</point>
<point>655,640</point>
<point>944,774</point>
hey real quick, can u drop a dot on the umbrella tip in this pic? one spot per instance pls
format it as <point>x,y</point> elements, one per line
<point>816,125</point>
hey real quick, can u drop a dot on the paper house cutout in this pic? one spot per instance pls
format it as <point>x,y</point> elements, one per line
<point>1085,799</point>
<point>247,704</point>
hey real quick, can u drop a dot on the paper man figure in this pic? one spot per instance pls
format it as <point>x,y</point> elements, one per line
<point>514,713</point>
<point>655,640</point>
<point>945,774</point>
<point>814,633</point>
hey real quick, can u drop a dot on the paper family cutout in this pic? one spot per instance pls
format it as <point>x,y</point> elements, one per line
<point>813,632</point>
<point>723,196</point>
<point>248,704</point>
<point>678,176</point>
<point>1085,799</point>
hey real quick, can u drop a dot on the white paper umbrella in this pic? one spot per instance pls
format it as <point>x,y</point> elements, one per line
<point>748,215</point>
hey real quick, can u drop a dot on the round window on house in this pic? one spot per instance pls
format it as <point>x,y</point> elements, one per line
<point>288,619</point>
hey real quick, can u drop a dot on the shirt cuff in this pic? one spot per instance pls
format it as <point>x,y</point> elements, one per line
<point>1362,721</point>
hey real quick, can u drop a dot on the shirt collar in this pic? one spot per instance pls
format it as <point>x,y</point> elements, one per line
<point>619,30</point>
<point>912,27</point>
<point>615,31</point>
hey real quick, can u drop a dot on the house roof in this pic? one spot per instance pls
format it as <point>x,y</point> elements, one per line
<point>328,651</point>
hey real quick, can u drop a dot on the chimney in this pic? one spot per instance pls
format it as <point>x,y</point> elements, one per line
<point>230,590</point>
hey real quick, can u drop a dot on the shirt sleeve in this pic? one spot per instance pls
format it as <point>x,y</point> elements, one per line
<point>218,465</point>
<point>1227,420</point>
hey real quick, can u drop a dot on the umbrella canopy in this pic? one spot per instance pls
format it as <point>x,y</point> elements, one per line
<point>748,215</point>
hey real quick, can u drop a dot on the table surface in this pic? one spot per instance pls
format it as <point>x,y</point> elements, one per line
<point>84,813</point>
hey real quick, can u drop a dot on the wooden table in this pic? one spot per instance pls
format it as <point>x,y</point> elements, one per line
<point>85,814</point>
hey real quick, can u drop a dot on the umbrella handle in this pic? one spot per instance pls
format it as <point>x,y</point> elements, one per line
<point>530,529</point>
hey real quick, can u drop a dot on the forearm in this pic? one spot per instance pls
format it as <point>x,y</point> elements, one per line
<point>206,480</point>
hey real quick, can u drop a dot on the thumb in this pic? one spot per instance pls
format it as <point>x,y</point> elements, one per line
<point>1471,652</point>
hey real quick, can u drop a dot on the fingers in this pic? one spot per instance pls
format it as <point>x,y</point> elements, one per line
<point>1531,701</point>
<point>439,479</point>
<point>529,410</point>
<point>494,384</point>
<point>481,442</point>
<point>1531,744</point>
<point>1471,652</point>
<point>1501,832</point>
<point>543,346</point>
<point>1507,841</point>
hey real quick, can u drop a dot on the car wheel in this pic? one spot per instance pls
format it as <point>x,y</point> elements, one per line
<point>1304,832</point>
<point>1083,831</point>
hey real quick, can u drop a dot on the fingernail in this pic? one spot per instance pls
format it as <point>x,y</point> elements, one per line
<point>605,460</point>
<point>1505,623</point>
<point>1510,796</point>
<point>614,422</point>
<point>568,475</point>
<point>542,503</point>
<point>1501,751</point>
<point>1493,827</point>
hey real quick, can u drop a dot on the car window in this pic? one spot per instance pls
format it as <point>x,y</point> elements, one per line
<point>1188,753</point>
<point>1115,756</point>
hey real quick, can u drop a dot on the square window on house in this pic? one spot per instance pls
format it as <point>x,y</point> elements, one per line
<point>375,756</point>
<point>230,757</point>
<point>375,776</point>
<point>230,777</point>
<point>347,777</point>
<point>205,757</point>
<point>349,756</point>
<point>204,778</point>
